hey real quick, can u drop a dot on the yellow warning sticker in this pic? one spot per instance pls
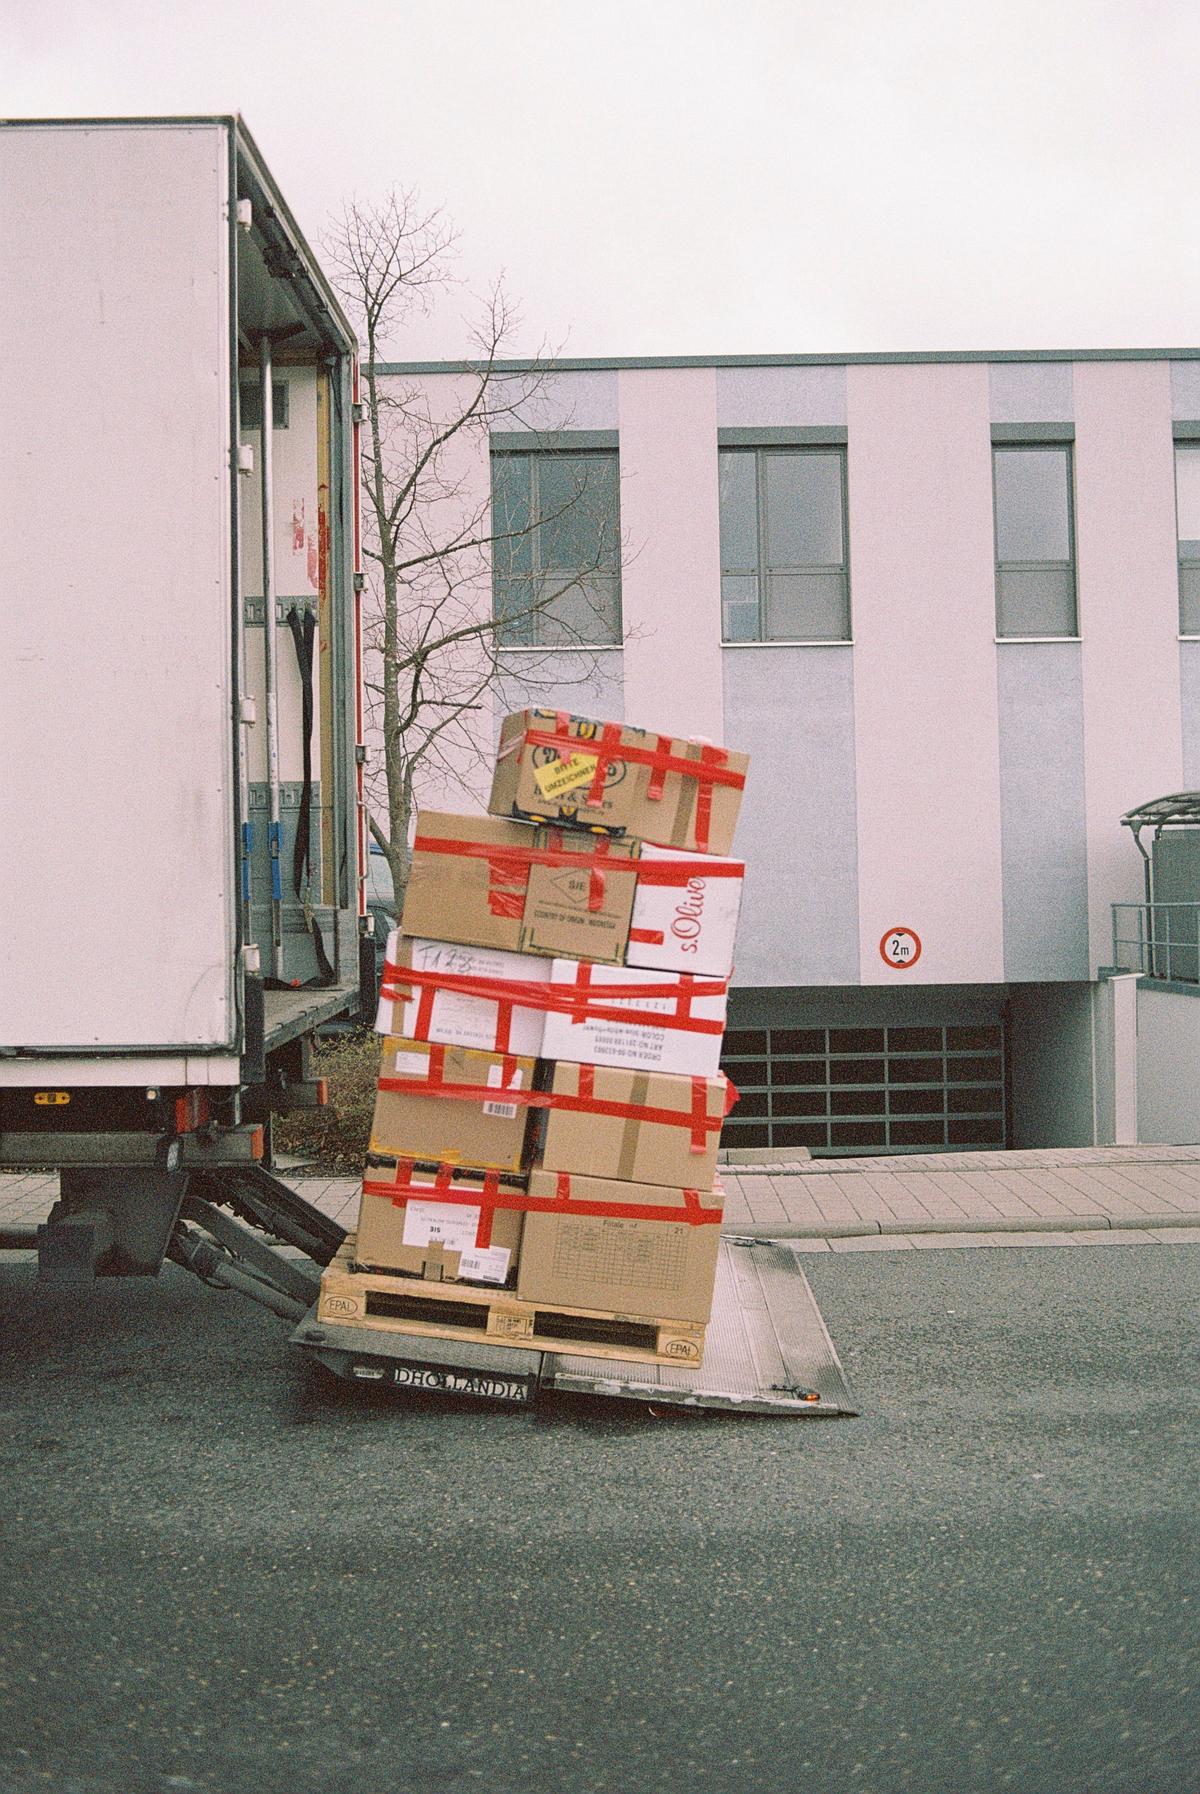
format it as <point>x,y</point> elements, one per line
<point>560,776</point>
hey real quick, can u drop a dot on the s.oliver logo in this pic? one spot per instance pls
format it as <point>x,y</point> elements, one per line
<point>689,915</point>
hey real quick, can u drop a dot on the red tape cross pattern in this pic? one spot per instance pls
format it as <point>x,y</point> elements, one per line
<point>509,867</point>
<point>578,1000</point>
<point>515,861</point>
<point>489,1197</point>
<point>696,1118</point>
<point>709,770</point>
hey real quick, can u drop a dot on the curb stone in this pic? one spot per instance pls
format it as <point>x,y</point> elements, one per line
<point>848,1230</point>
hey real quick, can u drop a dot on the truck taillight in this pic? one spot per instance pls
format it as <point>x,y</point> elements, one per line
<point>192,1110</point>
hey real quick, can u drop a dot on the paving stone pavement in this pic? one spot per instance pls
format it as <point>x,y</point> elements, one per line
<point>1079,1196</point>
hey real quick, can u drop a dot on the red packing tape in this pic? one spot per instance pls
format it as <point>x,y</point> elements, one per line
<point>648,872</point>
<point>710,769</point>
<point>491,1198</point>
<point>577,1000</point>
<point>696,1118</point>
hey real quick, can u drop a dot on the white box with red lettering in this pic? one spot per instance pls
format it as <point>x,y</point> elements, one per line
<point>685,911</point>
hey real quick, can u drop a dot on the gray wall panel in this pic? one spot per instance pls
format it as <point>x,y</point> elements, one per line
<point>1168,1038</point>
<point>586,684</point>
<point>1185,390</point>
<point>1189,678</point>
<point>1042,814</point>
<point>792,710</point>
<point>858,1006</point>
<point>1050,1041</point>
<point>1031,392</point>
<point>749,398</point>
<point>552,401</point>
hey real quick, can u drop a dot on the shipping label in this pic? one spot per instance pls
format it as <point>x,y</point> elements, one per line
<point>558,777</point>
<point>446,1224</point>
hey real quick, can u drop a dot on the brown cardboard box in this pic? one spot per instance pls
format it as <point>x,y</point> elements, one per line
<point>632,1149</point>
<point>405,1223</point>
<point>659,1269</point>
<point>488,1134</point>
<point>534,779</point>
<point>508,898</point>
<point>581,912</point>
<point>462,896</point>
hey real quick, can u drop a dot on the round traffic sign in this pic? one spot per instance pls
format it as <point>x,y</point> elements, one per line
<point>900,948</point>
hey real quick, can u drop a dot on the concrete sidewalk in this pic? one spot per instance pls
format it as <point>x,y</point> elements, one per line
<point>1101,1195</point>
<point>1085,1196</point>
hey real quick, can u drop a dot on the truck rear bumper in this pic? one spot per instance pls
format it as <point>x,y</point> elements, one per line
<point>184,1152</point>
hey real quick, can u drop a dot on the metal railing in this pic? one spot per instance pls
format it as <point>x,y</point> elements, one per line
<point>1159,940</point>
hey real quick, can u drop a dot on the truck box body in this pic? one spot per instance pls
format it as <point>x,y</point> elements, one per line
<point>143,261</point>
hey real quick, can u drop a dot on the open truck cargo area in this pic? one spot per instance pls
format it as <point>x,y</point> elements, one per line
<point>182,882</point>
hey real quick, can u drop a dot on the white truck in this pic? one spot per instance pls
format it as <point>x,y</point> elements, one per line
<point>182,851</point>
<point>182,845</point>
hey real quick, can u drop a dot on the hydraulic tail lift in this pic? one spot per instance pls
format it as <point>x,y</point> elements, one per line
<point>768,1352</point>
<point>238,1226</point>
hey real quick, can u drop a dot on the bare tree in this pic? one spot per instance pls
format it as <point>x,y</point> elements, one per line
<point>434,641</point>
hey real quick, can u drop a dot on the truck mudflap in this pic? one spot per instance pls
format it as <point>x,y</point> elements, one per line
<point>768,1351</point>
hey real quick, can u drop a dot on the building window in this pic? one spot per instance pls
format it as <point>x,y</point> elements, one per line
<point>1035,540</point>
<point>1187,514</point>
<point>556,557</point>
<point>783,545</point>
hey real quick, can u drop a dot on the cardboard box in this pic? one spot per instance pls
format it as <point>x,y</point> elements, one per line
<point>688,1043</point>
<point>452,1017</point>
<point>546,767</point>
<point>582,907</point>
<point>405,1223</point>
<point>653,1145</point>
<point>661,1269</point>
<point>508,885</point>
<point>422,1123</point>
<point>690,924</point>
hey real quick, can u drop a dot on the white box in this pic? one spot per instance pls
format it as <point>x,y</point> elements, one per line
<point>608,1040</point>
<point>456,1019</point>
<point>694,922</point>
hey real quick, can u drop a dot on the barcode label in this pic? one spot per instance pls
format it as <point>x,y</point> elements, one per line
<point>495,1078</point>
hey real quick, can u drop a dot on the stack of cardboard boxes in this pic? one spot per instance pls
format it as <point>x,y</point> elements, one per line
<point>550,1100</point>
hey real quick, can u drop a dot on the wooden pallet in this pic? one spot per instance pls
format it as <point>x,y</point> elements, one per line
<point>396,1304</point>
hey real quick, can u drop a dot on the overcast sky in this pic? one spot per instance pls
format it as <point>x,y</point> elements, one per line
<point>709,176</point>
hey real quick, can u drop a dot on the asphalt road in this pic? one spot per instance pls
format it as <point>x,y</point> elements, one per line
<point>220,1575</point>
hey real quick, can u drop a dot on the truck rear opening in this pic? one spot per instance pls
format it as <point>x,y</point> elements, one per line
<point>182,881</point>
